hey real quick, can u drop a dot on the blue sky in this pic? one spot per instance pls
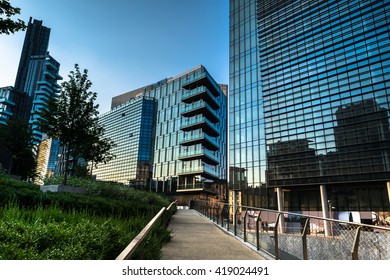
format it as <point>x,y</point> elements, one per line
<point>126,44</point>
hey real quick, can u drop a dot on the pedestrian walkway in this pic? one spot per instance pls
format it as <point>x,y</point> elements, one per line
<point>197,238</point>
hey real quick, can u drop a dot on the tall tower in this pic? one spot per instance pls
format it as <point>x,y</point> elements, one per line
<point>322,102</point>
<point>36,42</point>
<point>247,159</point>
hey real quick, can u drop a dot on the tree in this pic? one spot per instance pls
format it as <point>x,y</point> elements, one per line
<point>72,118</point>
<point>7,25</point>
<point>98,151</point>
<point>17,146</point>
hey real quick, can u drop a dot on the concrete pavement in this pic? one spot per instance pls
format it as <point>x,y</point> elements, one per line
<point>197,238</point>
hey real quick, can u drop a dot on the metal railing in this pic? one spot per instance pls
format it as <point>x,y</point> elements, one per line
<point>138,242</point>
<point>288,236</point>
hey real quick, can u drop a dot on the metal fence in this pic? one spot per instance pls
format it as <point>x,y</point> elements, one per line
<point>288,236</point>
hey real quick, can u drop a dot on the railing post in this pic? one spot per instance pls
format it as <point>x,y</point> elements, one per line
<point>258,219</point>
<point>355,246</point>
<point>246,212</point>
<point>235,219</point>
<point>304,239</point>
<point>276,237</point>
<point>228,218</point>
<point>217,208</point>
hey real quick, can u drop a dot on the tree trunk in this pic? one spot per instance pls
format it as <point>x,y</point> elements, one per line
<point>11,163</point>
<point>66,164</point>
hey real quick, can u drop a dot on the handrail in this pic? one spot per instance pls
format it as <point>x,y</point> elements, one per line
<point>127,253</point>
<point>299,236</point>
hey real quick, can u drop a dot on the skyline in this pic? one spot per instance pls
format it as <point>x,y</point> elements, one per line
<point>153,40</point>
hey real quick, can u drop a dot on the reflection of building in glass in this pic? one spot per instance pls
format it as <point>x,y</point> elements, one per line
<point>190,138</point>
<point>323,89</point>
<point>247,149</point>
<point>131,126</point>
<point>362,138</point>
<point>48,150</point>
<point>290,162</point>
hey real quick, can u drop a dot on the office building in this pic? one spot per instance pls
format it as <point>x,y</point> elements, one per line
<point>36,43</point>
<point>41,84</point>
<point>189,154</point>
<point>131,126</point>
<point>7,104</point>
<point>247,149</point>
<point>36,81</point>
<point>323,97</point>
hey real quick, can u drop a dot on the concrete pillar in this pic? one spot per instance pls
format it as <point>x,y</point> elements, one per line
<point>279,195</point>
<point>325,208</point>
<point>388,190</point>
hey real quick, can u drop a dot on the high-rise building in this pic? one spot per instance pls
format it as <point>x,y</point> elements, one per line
<point>40,85</point>
<point>131,126</point>
<point>247,149</point>
<point>322,99</point>
<point>36,42</point>
<point>7,104</point>
<point>35,82</point>
<point>189,154</point>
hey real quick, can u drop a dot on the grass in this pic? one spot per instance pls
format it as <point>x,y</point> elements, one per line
<point>98,225</point>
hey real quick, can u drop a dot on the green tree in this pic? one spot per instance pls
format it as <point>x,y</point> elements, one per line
<point>7,25</point>
<point>16,142</point>
<point>97,148</point>
<point>72,118</point>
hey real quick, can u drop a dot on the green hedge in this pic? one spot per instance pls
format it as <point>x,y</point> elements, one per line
<point>96,225</point>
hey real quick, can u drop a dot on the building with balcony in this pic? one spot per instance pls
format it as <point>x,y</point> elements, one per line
<point>7,104</point>
<point>309,103</point>
<point>190,139</point>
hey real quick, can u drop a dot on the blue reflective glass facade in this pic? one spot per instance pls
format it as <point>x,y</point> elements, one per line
<point>247,149</point>
<point>189,154</point>
<point>325,86</point>
<point>131,126</point>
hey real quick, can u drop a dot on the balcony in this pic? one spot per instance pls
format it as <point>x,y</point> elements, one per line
<point>200,186</point>
<point>6,112</point>
<point>203,79</point>
<point>203,154</point>
<point>6,101</point>
<point>40,101</point>
<point>204,171</point>
<point>201,138</point>
<point>200,93</point>
<point>197,108</point>
<point>200,122</point>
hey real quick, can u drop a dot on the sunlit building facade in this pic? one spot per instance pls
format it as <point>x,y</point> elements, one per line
<point>131,126</point>
<point>324,81</point>
<point>190,137</point>
<point>247,148</point>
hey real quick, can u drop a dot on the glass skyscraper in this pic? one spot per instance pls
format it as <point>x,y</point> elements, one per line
<point>131,126</point>
<point>36,42</point>
<point>247,150</point>
<point>189,154</point>
<point>41,83</point>
<point>323,97</point>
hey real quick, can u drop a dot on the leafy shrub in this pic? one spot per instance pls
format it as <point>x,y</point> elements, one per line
<point>96,225</point>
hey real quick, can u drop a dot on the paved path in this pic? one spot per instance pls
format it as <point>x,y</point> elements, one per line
<point>196,238</point>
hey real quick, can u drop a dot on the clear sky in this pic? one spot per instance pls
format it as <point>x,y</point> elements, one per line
<point>126,44</point>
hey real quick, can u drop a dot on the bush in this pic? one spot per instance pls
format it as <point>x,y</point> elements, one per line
<point>96,225</point>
